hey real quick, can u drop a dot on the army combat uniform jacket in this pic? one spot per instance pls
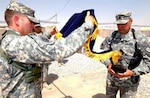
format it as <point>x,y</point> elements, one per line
<point>30,50</point>
<point>127,44</point>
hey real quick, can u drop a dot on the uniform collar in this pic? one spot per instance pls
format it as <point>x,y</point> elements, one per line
<point>13,31</point>
<point>127,36</point>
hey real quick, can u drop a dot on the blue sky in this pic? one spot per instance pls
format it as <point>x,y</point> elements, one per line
<point>105,10</point>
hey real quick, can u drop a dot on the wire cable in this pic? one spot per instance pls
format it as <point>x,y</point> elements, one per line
<point>63,7</point>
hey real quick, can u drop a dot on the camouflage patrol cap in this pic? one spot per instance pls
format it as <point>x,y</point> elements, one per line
<point>15,6</point>
<point>123,17</point>
<point>37,25</point>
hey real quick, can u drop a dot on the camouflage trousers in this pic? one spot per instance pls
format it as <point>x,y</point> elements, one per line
<point>45,72</point>
<point>125,92</point>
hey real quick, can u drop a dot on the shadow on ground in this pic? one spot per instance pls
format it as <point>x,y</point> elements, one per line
<point>100,96</point>
<point>51,79</point>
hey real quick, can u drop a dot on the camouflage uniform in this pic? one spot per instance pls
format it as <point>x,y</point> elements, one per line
<point>31,50</point>
<point>128,85</point>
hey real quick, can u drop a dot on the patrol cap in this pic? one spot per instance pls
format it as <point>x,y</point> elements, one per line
<point>18,7</point>
<point>123,17</point>
<point>37,25</point>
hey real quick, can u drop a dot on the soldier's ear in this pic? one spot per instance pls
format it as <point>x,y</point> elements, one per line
<point>16,20</point>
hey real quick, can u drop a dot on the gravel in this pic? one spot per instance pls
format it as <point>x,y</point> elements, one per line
<point>76,64</point>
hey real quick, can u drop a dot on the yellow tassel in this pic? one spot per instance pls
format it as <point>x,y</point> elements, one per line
<point>115,55</point>
<point>58,35</point>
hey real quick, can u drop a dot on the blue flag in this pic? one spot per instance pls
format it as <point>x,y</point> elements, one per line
<point>75,21</point>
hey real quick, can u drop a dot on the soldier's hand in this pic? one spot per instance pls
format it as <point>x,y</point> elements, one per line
<point>89,18</point>
<point>109,68</point>
<point>53,30</point>
<point>128,73</point>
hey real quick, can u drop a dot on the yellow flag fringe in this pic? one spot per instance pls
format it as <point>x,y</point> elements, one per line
<point>115,55</point>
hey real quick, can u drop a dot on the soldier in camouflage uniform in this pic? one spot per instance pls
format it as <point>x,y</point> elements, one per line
<point>38,31</point>
<point>129,41</point>
<point>20,75</point>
